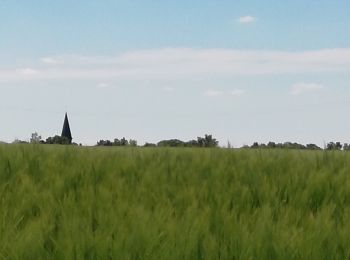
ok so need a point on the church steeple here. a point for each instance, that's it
(66, 129)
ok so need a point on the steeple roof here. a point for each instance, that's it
(66, 129)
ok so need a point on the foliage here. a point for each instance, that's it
(312, 147)
(18, 141)
(57, 140)
(286, 145)
(69, 202)
(334, 146)
(132, 143)
(35, 138)
(346, 147)
(149, 145)
(206, 141)
(117, 142)
(171, 143)
(192, 143)
(104, 143)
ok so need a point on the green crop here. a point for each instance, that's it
(64, 202)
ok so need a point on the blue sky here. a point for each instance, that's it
(243, 71)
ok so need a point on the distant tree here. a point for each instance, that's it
(35, 138)
(124, 142)
(271, 145)
(207, 141)
(312, 147)
(149, 145)
(58, 140)
(201, 141)
(255, 145)
(286, 145)
(132, 143)
(338, 146)
(18, 141)
(346, 147)
(330, 146)
(334, 146)
(108, 143)
(104, 143)
(171, 143)
(191, 143)
(290, 145)
(116, 142)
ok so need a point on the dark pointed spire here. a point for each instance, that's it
(66, 129)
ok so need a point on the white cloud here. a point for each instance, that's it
(237, 92)
(27, 72)
(213, 93)
(168, 89)
(216, 93)
(246, 19)
(51, 60)
(300, 88)
(102, 85)
(188, 64)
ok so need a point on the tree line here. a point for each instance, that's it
(37, 139)
(286, 145)
(206, 141)
(289, 145)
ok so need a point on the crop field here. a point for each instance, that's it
(64, 202)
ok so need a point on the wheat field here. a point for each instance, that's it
(65, 202)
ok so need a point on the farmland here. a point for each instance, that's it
(65, 202)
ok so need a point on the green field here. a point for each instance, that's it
(63, 202)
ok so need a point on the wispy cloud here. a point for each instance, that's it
(246, 19)
(213, 93)
(237, 92)
(171, 64)
(216, 93)
(52, 60)
(300, 88)
(103, 85)
(168, 89)
(27, 72)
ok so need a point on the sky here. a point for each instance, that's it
(244, 71)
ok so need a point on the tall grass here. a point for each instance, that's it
(61, 202)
